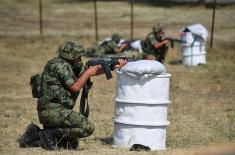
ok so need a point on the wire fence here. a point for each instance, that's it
(97, 19)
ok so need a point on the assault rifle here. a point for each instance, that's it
(172, 40)
(107, 64)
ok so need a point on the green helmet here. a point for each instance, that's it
(71, 50)
(116, 38)
(157, 28)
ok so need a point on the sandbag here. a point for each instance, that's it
(143, 69)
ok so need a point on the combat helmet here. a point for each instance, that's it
(116, 37)
(158, 28)
(71, 50)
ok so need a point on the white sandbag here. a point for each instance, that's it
(105, 40)
(121, 42)
(136, 45)
(197, 30)
(143, 69)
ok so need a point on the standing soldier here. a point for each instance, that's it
(154, 46)
(62, 126)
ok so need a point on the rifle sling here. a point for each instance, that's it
(84, 106)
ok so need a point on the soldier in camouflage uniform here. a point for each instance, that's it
(58, 94)
(108, 46)
(154, 46)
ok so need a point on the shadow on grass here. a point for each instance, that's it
(107, 140)
(175, 62)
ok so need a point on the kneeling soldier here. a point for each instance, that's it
(62, 126)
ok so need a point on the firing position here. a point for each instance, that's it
(59, 89)
(155, 46)
(111, 45)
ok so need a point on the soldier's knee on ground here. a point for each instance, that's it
(84, 131)
(90, 128)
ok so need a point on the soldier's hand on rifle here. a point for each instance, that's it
(160, 44)
(120, 63)
(166, 41)
(95, 70)
(81, 81)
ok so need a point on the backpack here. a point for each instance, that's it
(35, 83)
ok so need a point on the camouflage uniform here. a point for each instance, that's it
(148, 46)
(56, 102)
(107, 46)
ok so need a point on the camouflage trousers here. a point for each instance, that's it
(70, 123)
(96, 51)
(159, 54)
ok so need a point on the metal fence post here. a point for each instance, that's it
(212, 25)
(40, 17)
(96, 21)
(132, 20)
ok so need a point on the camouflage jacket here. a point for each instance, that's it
(109, 47)
(56, 78)
(148, 43)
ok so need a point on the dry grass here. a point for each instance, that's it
(202, 113)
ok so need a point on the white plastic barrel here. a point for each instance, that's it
(194, 51)
(194, 48)
(141, 111)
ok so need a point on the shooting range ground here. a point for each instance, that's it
(202, 112)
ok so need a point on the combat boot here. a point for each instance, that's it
(48, 138)
(30, 136)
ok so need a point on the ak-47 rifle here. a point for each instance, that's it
(172, 40)
(107, 64)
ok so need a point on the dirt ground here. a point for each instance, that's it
(202, 112)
